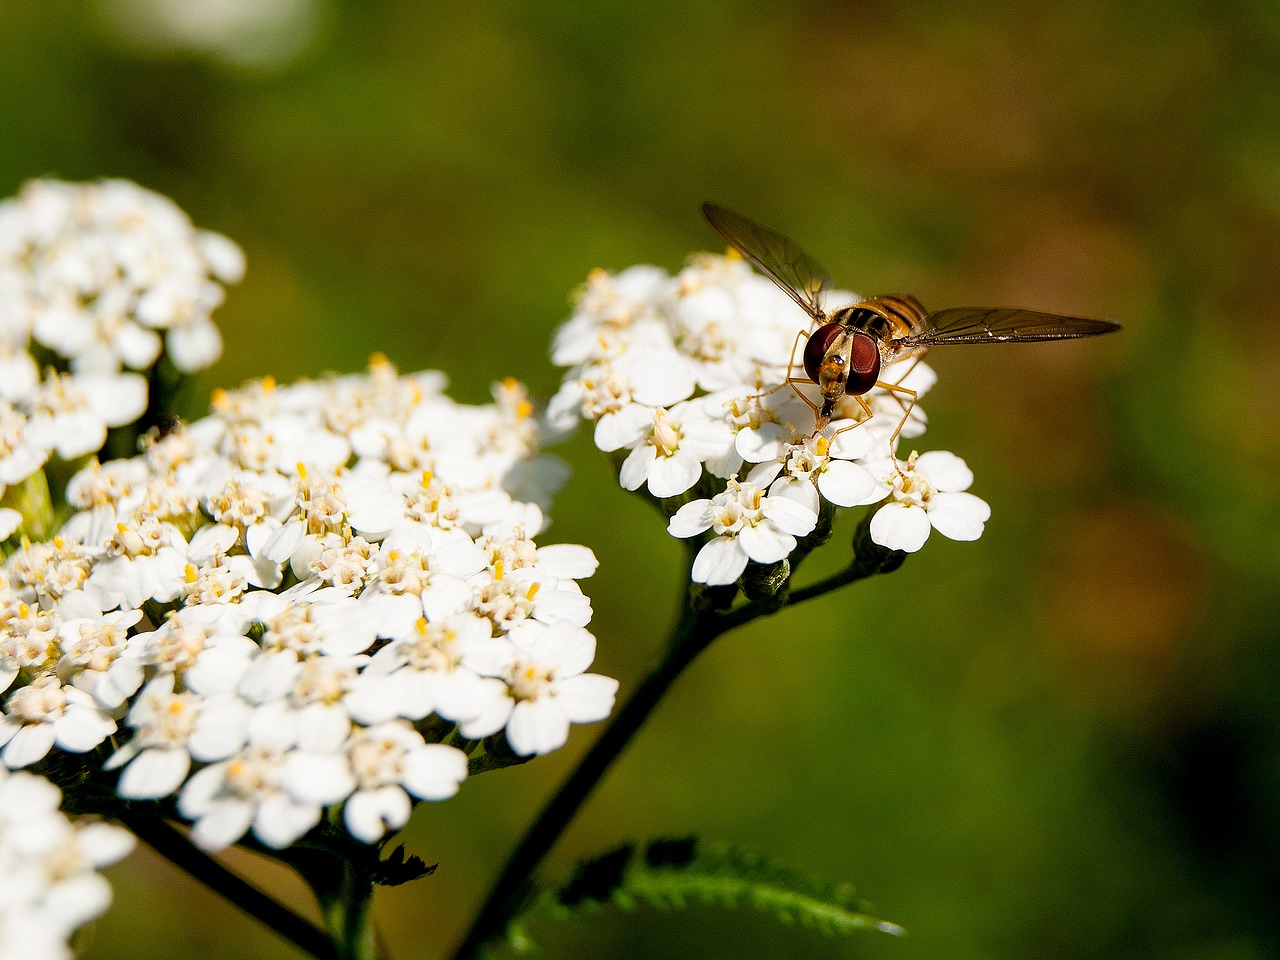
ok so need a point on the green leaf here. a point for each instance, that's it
(673, 874)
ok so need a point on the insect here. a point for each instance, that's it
(845, 354)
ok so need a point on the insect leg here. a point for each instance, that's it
(866, 408)
(791, 362)
(895, 389)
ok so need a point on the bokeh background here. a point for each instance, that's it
(1060, 741)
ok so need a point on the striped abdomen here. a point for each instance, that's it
(884, 319)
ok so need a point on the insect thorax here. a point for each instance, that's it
(884, 319)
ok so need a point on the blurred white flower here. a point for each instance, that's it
(49, 884)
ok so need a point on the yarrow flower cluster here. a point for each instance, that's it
(107, 275)
(289, 604)
(325, 597)
(97, 281)
(684, 378)
(49, 884)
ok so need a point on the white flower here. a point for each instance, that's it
(46, 713)
(71, 412)
(227, 798)
(811, 465)
(390, 761)
(97, 268)
(48, 881)
(170, 728)
(448, 667)
(549, 688)
(749, 526)
(668, 460)
(926, 493)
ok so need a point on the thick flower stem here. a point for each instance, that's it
(181, 852)
(693, 633)
(701, 621)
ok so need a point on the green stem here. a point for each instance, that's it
(178, 850)
(344, 888)
(700, 623)
(692, 634)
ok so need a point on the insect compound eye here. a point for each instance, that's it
(864, 364)
(816, 349)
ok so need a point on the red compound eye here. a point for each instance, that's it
(816, 349)
(864, 364)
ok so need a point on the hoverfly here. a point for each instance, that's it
(846, 352)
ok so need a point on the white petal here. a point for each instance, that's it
(720, 561)
(103, 843)
(224, 824)
(635, 469)
(959, 516)
(537, 726)
(82, 728)
(280, 820)
(564, 649)
(29, 744)
(465, 696)
(765, 543)
(900, 527)
(766, 442)
(846, 484)
(568, 560)
(850, 444)
(789, 516)
(673, 475)
(800, 491)
(369, 814)
(434, 771)
(691, 519)
(201, 790)
(496, 712)
(10, 520)
(221, 729)
(78, 900)
(944, 471)
(563, 606)
(623, 427)
(317, 778)
(154, 773)
(587, 698)
(195, 346)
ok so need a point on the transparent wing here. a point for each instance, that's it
(779, 258)
(999, 325)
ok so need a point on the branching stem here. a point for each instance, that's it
(697, 627)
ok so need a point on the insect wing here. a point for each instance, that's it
(1000, 325)
(779, 258)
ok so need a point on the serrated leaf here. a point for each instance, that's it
(672, 874)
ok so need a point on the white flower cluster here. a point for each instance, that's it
(684, 379)
(289, 604)
(49, 885)
(97, 272)
(90, 276)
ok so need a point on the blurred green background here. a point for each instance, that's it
(1060, 741)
